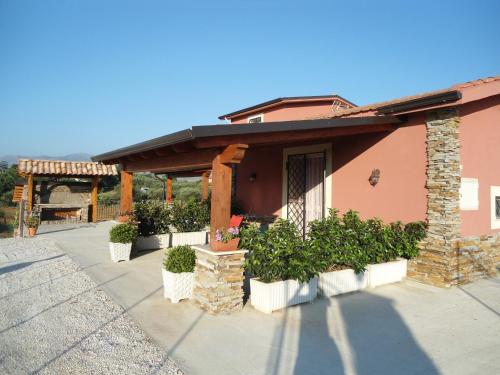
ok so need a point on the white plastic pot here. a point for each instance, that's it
(386, 273)
(340, 282)
(120, 251)
(188, 238)
(267, 297)
(177, 286)
(154, 242)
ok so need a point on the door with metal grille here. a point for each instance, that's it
(306, 195)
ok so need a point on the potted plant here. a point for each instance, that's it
(124, 216)
(189, 221)
(153, 222)
(178, 273)
(341, 259)
(121, 237)
(284, 268)
(32, 222)
(226, 239)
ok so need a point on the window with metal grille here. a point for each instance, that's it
(497, 207)
(255, 119)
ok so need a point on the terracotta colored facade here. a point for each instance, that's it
(400, 156)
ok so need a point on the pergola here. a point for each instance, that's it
(32, 169)
(215, 148)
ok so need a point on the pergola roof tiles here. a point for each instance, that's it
(64, 168)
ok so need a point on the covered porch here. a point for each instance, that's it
(220, 151)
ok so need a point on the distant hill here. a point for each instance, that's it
(12, 159)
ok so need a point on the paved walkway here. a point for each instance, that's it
(406, 328)
(54, 319)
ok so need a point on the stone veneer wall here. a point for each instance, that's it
(218, 280)
(445, 258)
(435, 264)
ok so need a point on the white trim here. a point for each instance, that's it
(494, 192)
(260, 115)
(311, 149)
(469, 194)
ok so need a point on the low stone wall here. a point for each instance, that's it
(218, 286)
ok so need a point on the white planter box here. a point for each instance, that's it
(120, 251)
(267, 297)
(188, 238)
(386, 273)
(154, 242)
(177, 286)
(339, 282)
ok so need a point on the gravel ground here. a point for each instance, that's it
(55, 320)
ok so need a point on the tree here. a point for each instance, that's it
(7, 182)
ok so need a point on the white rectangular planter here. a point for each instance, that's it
(267, 297)
(339, 282)
(177, 286)
(154, 242)
(188, 238)
(120, 251)
(386, 273)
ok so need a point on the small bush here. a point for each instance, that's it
(152, 218)
(32, 221)
(123, 233)
(190, 216)
(278, 254)
(180, 259)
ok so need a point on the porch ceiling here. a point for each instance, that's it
(194, 149)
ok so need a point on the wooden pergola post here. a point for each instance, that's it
(93, 197)
(169, 194)
(220, 213)
(204, 186)
(126, 192)
(30, 193)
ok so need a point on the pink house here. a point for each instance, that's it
(431, 156)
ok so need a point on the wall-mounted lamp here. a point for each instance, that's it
(374, 177)
(253, 177)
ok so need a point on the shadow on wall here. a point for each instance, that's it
(353, 334)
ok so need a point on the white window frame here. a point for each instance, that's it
(494, 192)
(260, 115)
(324, 147)
(472, 184)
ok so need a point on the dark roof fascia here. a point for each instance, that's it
(278, 100)
(207, 131)
(163, 141)
(441, 98)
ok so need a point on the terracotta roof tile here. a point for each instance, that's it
(375, 106)
(64, 168)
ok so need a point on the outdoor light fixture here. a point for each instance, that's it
(374, 177)
(253, 177)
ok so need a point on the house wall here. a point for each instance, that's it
(400, 194)
(480, 158)
(401, 158)
(288, 112)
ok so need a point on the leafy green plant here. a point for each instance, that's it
(416, 232)
(152, 218)
(180, 259)
(32, 221)
(123, 233)
(278, 254)
(190, 216)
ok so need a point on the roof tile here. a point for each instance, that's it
(64, 168)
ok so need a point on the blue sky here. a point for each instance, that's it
(91, 76)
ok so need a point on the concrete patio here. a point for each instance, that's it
(407, 328)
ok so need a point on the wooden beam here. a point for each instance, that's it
(30, 192)
(126, 191)
(93, 197)
(196, 160)
(290, 136)
(233, 154)
(221, 196)
(169, 194)
(204, 186)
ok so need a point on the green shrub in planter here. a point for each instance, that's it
(180, 259)
(152, 217)
(278, 254)
(415, 232)
(123, 233)
(191, 216)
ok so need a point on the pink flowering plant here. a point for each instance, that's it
(227, 235)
